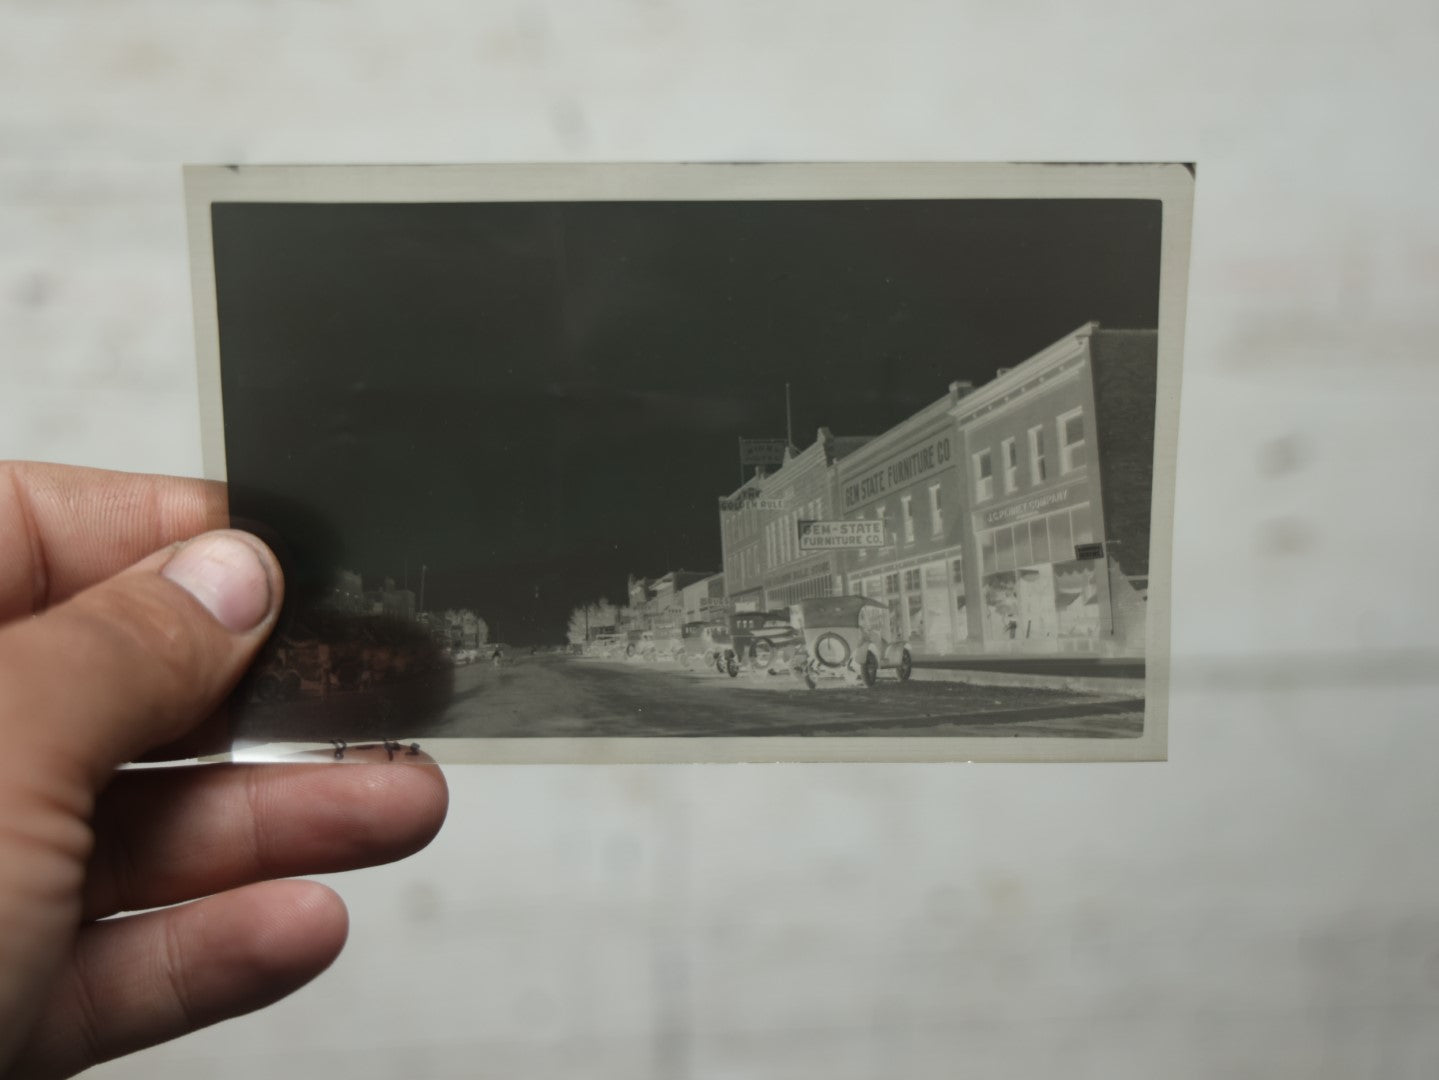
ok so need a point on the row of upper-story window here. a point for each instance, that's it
(742, 565)
(1071, 453)
(782, 534)
(909, 529)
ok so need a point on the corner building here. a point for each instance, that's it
(1058, 452)
(912, 478)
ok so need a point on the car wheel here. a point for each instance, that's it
(832, 650)
(906, 666)
(731, 665)
(869, 670)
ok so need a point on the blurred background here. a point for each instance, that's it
(1265, 904)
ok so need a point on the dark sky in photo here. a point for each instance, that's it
(536, 399)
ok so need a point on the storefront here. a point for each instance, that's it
(911, 478)
(1036, 593)
(927, 600)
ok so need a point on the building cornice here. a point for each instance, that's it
(1034, 369)
(884, 444)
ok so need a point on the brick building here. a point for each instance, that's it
(912, 479)
(764, 567)
(1058, 454)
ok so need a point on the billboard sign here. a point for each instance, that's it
(762, 451)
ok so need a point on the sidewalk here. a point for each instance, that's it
(1088, 674)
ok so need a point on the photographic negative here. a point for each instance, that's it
(592, 463)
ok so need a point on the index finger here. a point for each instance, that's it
(64, 528)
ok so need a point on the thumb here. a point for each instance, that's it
(138, 659)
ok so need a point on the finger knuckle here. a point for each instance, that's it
(139, 628)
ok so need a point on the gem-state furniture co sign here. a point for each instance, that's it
(827, 535)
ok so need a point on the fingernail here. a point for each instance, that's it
(226, 575)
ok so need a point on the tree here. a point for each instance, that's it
(587, 619)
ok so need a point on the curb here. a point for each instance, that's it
(1085, 684)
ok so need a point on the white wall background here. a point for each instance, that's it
(1266, 904)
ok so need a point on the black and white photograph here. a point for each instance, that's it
(701, 462)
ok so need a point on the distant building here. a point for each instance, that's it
(704, 599)
(659, 603)
(346, 594)
(389, 600)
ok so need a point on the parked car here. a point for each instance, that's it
(606, 646)
(848, 637)
(764, 640)
(720, 648)
(705, 644)
(668, 643)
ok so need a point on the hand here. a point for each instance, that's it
(135, 638)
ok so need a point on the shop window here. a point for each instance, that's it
(1022, 551)
(986, 554)
(906, 514)
(983, 476)
(1010, 456)
(957, 572)
(1004, 549)
(1061, 540)
(916, 617)
(874, 587)
(1072, 454)
(936, 511)
(1037, 470)
(912, 580)
(1083, 526)
(1039, 540)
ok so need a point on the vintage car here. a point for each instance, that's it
(668, 643)
(765, 640)
(606, 646)
(640, 645)
(695, 649)
(720, 648)
(850, 638)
